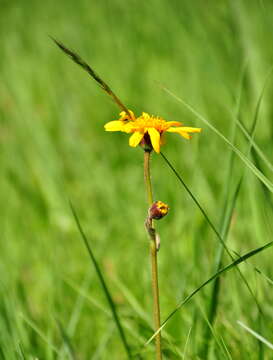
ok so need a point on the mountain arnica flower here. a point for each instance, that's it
(148, 130)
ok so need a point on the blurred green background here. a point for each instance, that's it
(215, 55)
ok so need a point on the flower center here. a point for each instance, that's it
(144, 122)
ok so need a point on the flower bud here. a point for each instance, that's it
(158, 210)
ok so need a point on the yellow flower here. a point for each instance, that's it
(148, 129)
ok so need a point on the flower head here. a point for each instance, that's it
(158, 210)
(148, 130)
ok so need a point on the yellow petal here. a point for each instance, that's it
(124, 116)
(184, 129)
(190, 129)
(180, 132)
(115, 125)
(173, 123)
(135, 138)
(185, 135)
(145, 116)
(128, 127)
(155, 139)
(132, 115)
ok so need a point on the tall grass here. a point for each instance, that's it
(53, 146)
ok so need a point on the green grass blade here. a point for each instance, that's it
(218, 341)
(103, 284)
(78, 308)
(256, 335)
(248, 163)
(66, 341)
(224, 225)
(41, 334)
(195, 201)
(186, 344)
(264, 276)
(214, 296)
(168, 340)
(21, 351)
(79, 61)
(138, 310)
(211, 225)
(227, 268)
(87, 297)
(250, 134)
(255, 146)
(103, 344)
(90, 300)
(227, 215)
(226, 348)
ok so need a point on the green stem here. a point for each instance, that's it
(153, 255)
(147, 177)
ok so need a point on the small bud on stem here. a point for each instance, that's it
(157, 211)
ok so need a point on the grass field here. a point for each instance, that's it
(215, 56)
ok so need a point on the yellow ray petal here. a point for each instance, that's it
(124, 116)
(115, 125)
(135, 138)
(173, 123)
(191, 129)
(145, 115)
(128, 127)
(155, 139)
(184, 129)
(185, 135)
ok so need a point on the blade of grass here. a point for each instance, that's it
(75, 315)
(224, 225)
(217, 341)
(211, 225)
(103, 284)
(227, 268)
(215, 292)
(248, 163)
(250, 134)
(133, 302)
(269, 203)
(66, 341)
(78, 60)
(21, 351)
(266, 195)
(256, 335)
(40, 333)
(137, 308)
(227, 215)
(186, 343)
(255, 146)
(226, 348)
(215, 231)
(82, 292)
(264, 276)
(79, 304)
(103, 344)
(90, 300)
